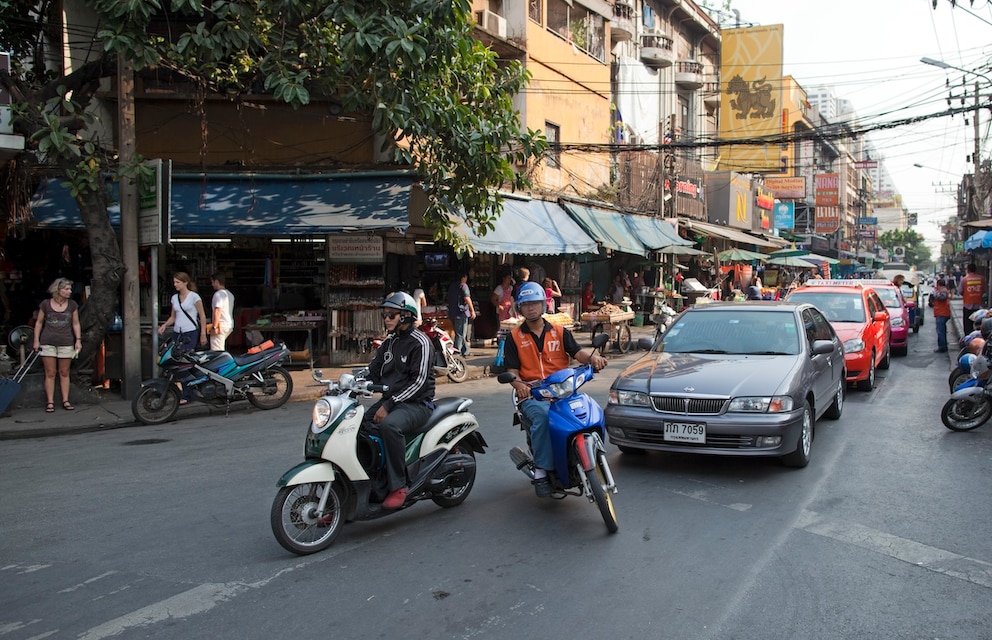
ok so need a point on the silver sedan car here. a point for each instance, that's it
(735, 379)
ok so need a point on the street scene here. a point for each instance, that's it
(480, 319)
(162, 531)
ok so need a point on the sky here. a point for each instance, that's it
(869, 51)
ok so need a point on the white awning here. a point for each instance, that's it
(727, 233)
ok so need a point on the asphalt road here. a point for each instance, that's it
(163, 532)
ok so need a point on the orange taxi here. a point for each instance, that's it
(860, 319)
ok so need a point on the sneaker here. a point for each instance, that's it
(542, 487)
(396, 499)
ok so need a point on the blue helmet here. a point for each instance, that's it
(530, 292)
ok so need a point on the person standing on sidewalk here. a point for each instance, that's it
(972, 293)
(941, 298)
(222, 318)
(460, 311)
(187, 318)
(57, 337)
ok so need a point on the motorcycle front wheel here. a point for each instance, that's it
(295, 522)
(151, 406)
(965, 414)
(276, 388)
(458, 369)
(597, 481)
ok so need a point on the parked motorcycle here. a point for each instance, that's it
(343, 477)
(448, 361)
(970, 406)
(577, 431)
(662, 317)
(213, 377)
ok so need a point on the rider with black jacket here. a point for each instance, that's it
(405, 364)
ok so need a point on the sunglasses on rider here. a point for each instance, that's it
(389, 315)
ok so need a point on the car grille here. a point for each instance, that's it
(688, 406)
(648, 437)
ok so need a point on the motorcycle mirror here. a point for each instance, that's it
(506, 377)
(317, 374)
(599, 340)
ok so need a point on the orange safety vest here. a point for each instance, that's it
(972, 289)
(535, 365)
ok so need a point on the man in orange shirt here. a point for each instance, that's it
(941, 298)
(972, 293)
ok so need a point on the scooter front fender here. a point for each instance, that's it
(308, 471)
(967, 392)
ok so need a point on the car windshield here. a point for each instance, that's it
(889, 297)
(837, 307)
(739, 331)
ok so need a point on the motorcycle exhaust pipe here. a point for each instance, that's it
(523, 461)
(452, 472)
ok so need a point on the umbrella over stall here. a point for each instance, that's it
(793, 261)
(740, 255)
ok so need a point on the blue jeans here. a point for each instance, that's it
(460, 323)
(540, 437)
(941, 323)
(187, 341)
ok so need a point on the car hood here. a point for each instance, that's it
(848, 330)
(721, 375)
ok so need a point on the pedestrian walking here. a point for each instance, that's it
(57, 336)
(460, 310)
(187, 318)
(222, 318)
(941, 299)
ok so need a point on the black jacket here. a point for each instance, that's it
(405, 363)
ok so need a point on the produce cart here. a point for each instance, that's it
(613, 321)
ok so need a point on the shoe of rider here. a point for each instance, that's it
(542, 487)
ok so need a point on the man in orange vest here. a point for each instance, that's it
(537, 349)
(972, 293)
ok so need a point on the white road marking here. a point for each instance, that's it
(931, 558)
(86, 582)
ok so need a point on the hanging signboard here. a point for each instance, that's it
(827, 219)
(354, 249)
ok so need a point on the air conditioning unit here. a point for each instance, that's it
(491, 22)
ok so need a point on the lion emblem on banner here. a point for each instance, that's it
(754, 98)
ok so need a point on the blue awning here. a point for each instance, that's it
(260, 205)
(655, 233)
(530, 228)
(608, 227)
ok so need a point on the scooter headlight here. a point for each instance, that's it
(321, 415)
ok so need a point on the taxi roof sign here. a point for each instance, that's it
(838, 283)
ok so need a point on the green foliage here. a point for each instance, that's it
(437, 96)
(917, 252)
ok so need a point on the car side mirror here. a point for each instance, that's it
(881, 316)
(821, 347)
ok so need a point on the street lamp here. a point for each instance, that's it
(940, 64)
(923, 166)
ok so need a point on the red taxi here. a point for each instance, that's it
(898, 309)
(860, 319)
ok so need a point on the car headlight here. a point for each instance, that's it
(629, 398)
(896, 321)
(761, 404)
(854, 346)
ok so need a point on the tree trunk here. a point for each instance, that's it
(97, 313)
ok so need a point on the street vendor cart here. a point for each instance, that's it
(613, 321)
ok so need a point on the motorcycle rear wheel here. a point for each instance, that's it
(152, 407)
(957, 377)
(456, 495)
(277, 388)
(458, 372)
(597, 481)
(965, 414)
(295, 523)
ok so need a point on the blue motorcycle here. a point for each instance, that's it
(970, 406)
(577, 429)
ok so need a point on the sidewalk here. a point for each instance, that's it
(108, 410)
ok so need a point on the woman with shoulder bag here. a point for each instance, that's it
(187, 318)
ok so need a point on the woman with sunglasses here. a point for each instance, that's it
(404, 363)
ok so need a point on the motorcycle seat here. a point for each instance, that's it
(249, 358)
(443, 407)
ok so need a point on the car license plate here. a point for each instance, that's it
(685, 432)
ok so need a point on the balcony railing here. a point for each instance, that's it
(656, 50)
(689, 74)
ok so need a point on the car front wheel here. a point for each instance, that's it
(800, 457)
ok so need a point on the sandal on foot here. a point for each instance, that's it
(183, 401)
(50, 408)
(67, 406)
